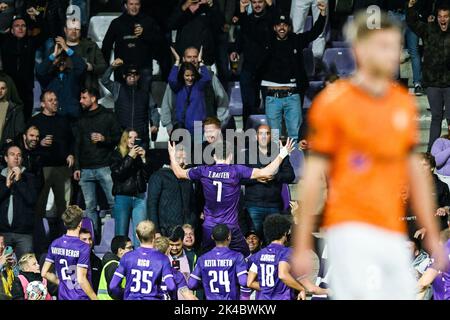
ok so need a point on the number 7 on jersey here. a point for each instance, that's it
(219, 190)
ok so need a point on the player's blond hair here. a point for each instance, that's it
(23, 262)
(361, 27)
(161, 244)
(146, 231)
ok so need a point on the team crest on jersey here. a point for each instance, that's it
(359, 162)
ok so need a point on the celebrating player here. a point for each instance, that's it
(145, 269)
(270, 272)
(221, 189)
(221, 271)
(71, 258)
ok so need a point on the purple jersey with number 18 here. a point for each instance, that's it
(67, 253)
(265, 264)
(221, 188)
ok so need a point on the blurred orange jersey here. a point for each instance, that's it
(368, 140)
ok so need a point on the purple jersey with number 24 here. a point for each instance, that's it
(221, 188)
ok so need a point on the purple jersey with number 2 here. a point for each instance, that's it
(221, 188)
(67, 253)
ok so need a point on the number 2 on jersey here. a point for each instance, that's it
(219, 190)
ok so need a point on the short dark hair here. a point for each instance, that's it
(188, 66)
(443, 7)
(93, 92)
(220, 232)
(30, 127)
(9, 146)
(212, 120)
(177, 234)
(276, 226)
(72, 217)
(119, 242)
(44, 93)
(84, 231)
(428, 157)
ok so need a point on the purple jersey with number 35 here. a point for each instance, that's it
(67, 253)
(221, 188)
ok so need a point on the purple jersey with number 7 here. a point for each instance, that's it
(221, 188)
(67, 253)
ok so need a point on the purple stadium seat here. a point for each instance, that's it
(341, 59)
(311, 92)
(107, 235)
(340, 44)
(86, 223)
(235, 106)
(308, 23)
(46, 226)
(296, 159)
(255, 120)
(308, 61)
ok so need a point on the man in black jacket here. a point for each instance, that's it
(28, 142)
(436, 64)
(18, 52)
(98, 133)
(18, 195)
(136, 39)
(96, 263)
(263, 197)
(198, 24)
(57, 159)
(88, 50)
(11, 118)
(171, 201)
(254, 37)
(133, 106)
(284, 75)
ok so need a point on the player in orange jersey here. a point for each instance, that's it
(362, 134)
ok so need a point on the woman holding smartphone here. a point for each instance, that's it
(130, 171)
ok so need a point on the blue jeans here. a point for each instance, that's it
(126, 208)
(290, 108)
(259, 214)
(412, 44)
(87, 184)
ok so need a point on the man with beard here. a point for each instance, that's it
(436, 64)
(284, 75)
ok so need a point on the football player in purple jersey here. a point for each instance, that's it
(220, 271)
(221, 188)
(71, 258)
